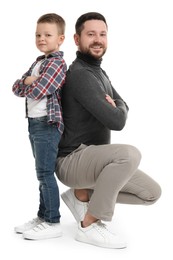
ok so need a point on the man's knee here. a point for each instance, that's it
(128, 154)
(154, 194)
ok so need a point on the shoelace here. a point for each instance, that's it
(102, 228)
(101, 224)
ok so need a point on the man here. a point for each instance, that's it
(100, 174)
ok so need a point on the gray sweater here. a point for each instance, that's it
(88, 117)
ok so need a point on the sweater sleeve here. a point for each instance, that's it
(88, 91)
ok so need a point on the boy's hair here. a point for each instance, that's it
(79, 26)
(53, 18)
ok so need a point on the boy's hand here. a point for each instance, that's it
(29, 80)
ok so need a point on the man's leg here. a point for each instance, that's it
(103, 168)
(140, 190)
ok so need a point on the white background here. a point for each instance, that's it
(139, 62)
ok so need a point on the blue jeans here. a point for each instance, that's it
(44, 140)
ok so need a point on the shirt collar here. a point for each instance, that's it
(54, 54)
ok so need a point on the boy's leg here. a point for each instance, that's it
(45, 140)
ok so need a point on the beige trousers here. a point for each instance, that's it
(110, 172)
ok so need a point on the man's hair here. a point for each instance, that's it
(79, 26)
(53, 18)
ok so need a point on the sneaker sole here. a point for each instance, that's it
(18, 231)
(93, 243)
(70, 206)
(32, 237)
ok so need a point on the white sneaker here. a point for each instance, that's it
(44, 231)
(29, 225)
(77, 207)
(97, 234)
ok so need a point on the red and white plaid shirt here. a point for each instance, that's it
(49, 83)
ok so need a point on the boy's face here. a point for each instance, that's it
(47, 38)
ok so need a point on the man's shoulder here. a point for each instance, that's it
(78, 67)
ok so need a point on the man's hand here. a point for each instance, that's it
(110, 100)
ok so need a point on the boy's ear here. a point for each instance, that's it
(61, 39)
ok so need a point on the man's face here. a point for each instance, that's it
(93, 38)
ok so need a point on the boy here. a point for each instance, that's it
(41, 86)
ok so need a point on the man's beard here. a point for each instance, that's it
(89, 53)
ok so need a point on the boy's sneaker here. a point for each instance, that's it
(44, 230)
(97, 234)
(77, 207)
(29, 225)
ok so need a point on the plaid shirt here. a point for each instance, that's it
(49, 83)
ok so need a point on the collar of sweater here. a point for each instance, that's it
(88, 58)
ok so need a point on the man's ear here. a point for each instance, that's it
(76, 39)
